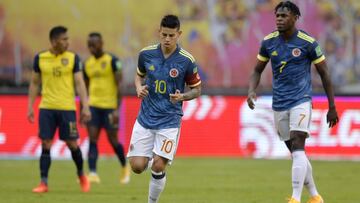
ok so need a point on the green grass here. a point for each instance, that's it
(189, 180)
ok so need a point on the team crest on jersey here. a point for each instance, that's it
(296, 52)
(103, 64)
(64, 61)
(174, 73)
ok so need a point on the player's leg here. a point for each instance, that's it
(93, 129)
(166, 142)
(158, 178)
(93, 133)
(309, 182)
(69, 133)
(47, 128)
(300, 118)
(119, 151)
(111, 127)
(141, 148)
(299, 165)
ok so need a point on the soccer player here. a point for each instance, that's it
(58, 70)
(291, 52)
(163, 71)
(103, 73)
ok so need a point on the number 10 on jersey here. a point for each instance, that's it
(160, 86)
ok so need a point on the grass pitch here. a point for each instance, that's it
(189, 180)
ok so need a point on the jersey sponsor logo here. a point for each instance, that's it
(274, 53)
(174, 73)
(64, 61)
(296, 52)
(103, 64)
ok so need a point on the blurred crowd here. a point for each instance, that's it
(223, 36)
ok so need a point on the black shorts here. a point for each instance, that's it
(50, 120)
(102, 118)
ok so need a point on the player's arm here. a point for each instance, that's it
(192, 80)
(80, 87)
(33, 92)
(254, 82)
(141, 90)
(34, 88)
(262, 60)
(322, 69)
(117, 69)
(318, 59)
(81, 90)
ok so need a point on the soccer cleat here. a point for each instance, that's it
(84, 183)
(93, 177)
(125, 175)
(292, 200)
(41, 188)
(316, 199)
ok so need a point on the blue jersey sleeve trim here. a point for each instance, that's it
(36, 66)
(115, 63)
(77, 64)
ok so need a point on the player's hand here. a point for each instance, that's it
(251, 100)
(114, 118)
(142, 92)
(30, 115)
(176, 97)
(332, 117)
(85, 115)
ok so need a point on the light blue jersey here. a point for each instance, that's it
(164, 77)
(291, 62)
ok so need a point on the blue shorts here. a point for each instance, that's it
(50, 120)
(102, 118)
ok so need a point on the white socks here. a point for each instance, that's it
(309, 180)
(156, 186)
(299, 168)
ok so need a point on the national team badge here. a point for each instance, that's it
(296, 52)
(103, 64)
(64, 61)
(174, 73)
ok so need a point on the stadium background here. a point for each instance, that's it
(223, 35)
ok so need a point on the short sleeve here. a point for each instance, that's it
(36, 66)
(263, 54)
(192, 77)
(141, 71)
(315, 53)
(77, 64)
(116, 64)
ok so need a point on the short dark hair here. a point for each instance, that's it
(55, 32)
(95, 34)
(170, 21)
(293, 8)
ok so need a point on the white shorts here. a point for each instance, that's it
(145, 142)
(295, 119)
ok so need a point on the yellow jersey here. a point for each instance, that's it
(57, 79)
(100, 73)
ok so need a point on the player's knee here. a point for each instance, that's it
(72, 144)
(159, 165)
(46, 144)
(137, 166)
(298, 140)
